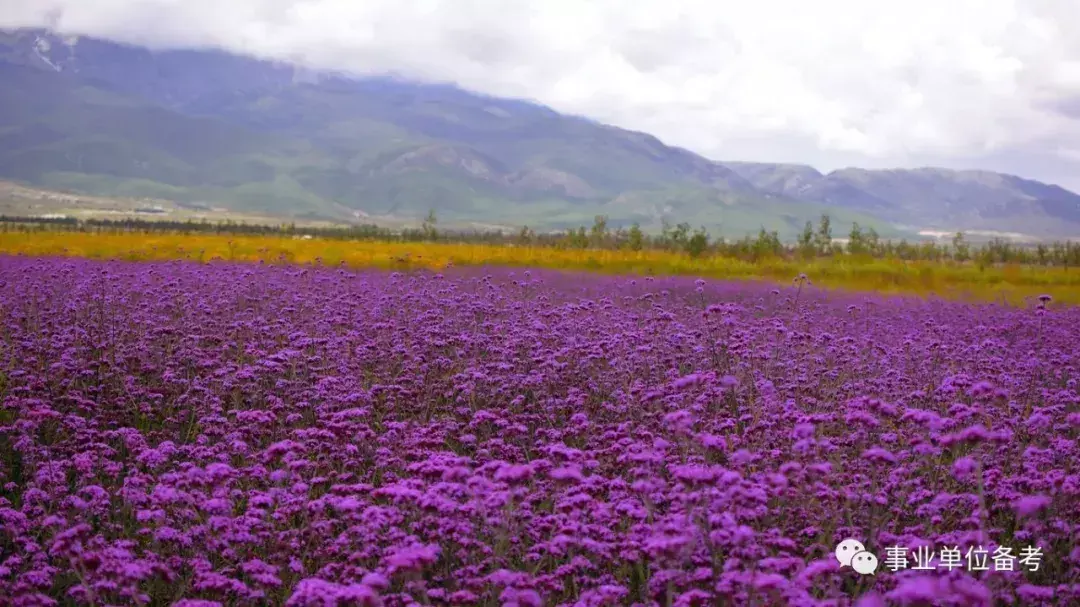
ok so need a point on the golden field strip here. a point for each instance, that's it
(1013, 283)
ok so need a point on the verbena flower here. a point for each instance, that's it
(231, 434)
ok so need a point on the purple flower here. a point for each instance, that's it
(1031, 505)
(877, 454)
(314, 592)
(512, 597)
(514, 474)
(570, 474)
(963, 467)
(322, 436)
(412, 558)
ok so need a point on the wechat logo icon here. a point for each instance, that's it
(852, 553)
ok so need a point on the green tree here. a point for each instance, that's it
(767, 244)
(856, 241)
(984, 258)
(1072, 255)
(1042, 254)
(1057, 253)
(698, 243)
(581, 238)
(636, 238)
(599, 232)
(905, 251)
(873, 242)
(929, 251)
(666, 239)
(806, 240)
(428, 227)
(823, 237)
(681, 234)
(1000, 250)
(961, 249)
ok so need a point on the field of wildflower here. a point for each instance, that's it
(1014, 283)
(199, 434)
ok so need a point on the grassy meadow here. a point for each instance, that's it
(1013, 283)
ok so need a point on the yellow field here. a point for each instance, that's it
(1010, 283)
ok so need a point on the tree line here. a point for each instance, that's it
(814, 241)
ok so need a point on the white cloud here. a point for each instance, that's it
(831, 82)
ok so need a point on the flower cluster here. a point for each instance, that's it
(229, 434)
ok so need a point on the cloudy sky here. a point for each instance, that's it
(989, 84)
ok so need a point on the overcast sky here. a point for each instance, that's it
(989, 84)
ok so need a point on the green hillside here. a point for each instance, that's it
(112, 120)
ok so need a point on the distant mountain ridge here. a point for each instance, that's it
(975, 200)
(104, 118)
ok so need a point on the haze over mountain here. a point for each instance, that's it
(206, 126)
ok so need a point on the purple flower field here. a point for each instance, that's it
(175, 433)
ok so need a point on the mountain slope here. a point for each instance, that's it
(928, 198)
(255, 136)
(208, 127)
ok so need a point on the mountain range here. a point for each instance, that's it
(205, 127)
